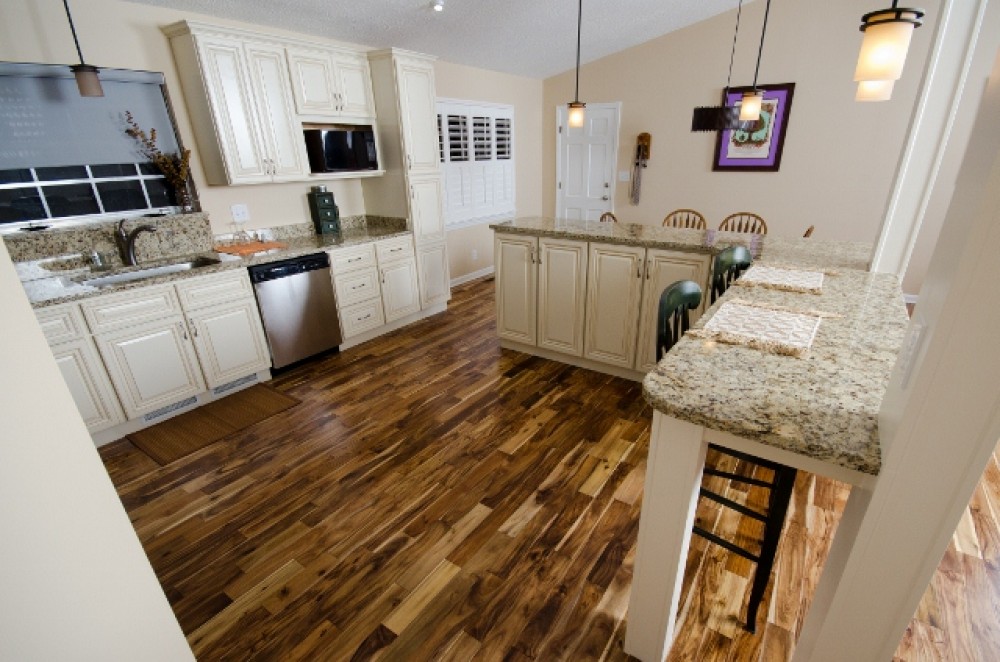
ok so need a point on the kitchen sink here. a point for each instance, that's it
(149, 272)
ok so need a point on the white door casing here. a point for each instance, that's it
(586, 161)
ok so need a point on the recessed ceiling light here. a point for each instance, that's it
(438, 5)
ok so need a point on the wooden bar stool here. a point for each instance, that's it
(743, 221)
(685, 218)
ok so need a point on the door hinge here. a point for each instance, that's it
(560, 185)
(560, 128)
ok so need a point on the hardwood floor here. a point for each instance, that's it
(436, 498)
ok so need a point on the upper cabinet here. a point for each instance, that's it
(331, 83)
(248, 95)
(418, 111)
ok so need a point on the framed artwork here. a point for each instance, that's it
(756, 147)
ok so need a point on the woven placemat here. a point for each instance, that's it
(777, 278)
(764, 328)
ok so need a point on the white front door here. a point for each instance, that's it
(586, 160)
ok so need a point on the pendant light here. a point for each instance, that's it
(721, 118)
(886, 42)
(576, 107)
(874, 90)
(86, 75)
(752, 99)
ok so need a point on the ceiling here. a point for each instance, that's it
(533, 38)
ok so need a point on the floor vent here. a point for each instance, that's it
(160, 413)
(249, 379)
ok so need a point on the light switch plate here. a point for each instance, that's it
(241, 214)
(623, 175)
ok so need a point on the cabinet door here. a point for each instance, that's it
(425, 209)
(435, 280)
(515, 283)
(562, 288)
(313, 84)
(418, 115)
(614, 285)
(88, 382)
(354, 85)
(230, 342)
(400, 296)
(286, 150)
(151, 365)
(662, 269)
(227, 83)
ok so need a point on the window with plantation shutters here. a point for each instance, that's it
(476, 147)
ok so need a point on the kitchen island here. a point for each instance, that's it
(816, 412)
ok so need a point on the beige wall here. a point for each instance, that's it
(456, 81)
(840, 156)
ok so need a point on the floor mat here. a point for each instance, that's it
(182, 435)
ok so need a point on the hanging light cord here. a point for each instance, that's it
(579, 23)
(767, 10)
(73, 30)
(732, 55)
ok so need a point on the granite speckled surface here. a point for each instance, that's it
(55, 278)
(824, 405)
(815, 253)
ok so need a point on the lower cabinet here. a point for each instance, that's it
(614, 288)
(88, 382)
(151, 365)
(591, 300)
(562, 289)
(230, 342)
(400, 295)
(432, 269)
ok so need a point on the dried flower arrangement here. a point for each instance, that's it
(175, 168)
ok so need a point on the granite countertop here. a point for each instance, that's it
(54, 280)
(815, 253)
(824, 405)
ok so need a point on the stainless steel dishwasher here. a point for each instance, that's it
(298, 307)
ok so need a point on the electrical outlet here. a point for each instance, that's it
(475, 255)
(241, 214)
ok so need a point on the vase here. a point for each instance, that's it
(183, 198)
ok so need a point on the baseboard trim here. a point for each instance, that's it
(475, 275)
(578, 361)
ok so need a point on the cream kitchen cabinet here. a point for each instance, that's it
(400, 295)
(80, 365)
(614, 288)
(225, 325)
(662, 269)
(516, 282)
(331, 83)
(403, 84)
(239, 94)
(541, 289)
(433, 274)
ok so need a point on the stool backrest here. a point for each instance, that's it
(728, 266)
(685, 218)
(608, 217)
(672, 319)
(744, 221)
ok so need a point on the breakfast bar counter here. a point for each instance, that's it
(816, 411)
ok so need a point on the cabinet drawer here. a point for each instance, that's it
(61, 323)
(357, 286)
(351, 259)
(361, 317)
(394, 249)
(130, 307)
(216, 288)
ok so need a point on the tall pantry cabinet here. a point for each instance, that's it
(403, 84)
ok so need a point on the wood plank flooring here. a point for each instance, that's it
(436, 498)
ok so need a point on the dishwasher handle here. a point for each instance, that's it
(289, 267)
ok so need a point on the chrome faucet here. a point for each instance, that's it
(126, 241)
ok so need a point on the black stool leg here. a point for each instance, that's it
(781, 495)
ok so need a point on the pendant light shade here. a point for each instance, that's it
(886, 42)
(86, 75)
(750, 106)
(577, 109)
(874, 90)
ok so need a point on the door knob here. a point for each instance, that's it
(604, 197)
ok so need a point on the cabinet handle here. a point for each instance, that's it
(409, 161)
(183, 330)
(194, 329)
(413, 193)
(353, 259)
(539, 257)
(362, 319)
(396, 250)
(649, 266)
(638, 270)
(383, 277)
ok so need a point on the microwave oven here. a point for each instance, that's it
(341, 149)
